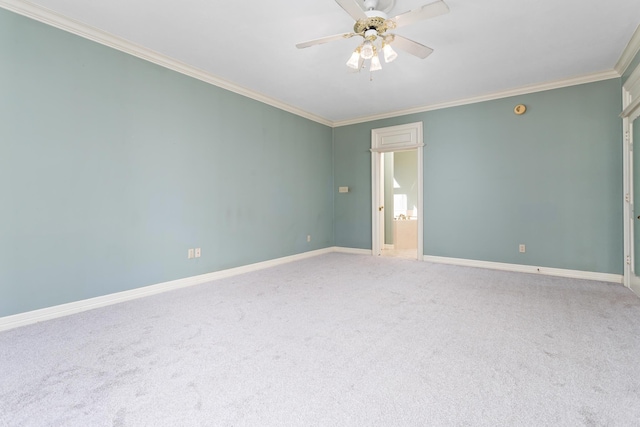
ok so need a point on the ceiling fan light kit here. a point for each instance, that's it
(354, 61)
(372, 24)
(389, 53)
(367, 50)
(375, 64)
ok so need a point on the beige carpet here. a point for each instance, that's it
(337, 340)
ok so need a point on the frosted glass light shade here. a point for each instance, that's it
(389, 53)
(354, 61)
(366, 50)
(375, 64)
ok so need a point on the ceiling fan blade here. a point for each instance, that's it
(427, 11)
(409, 46)
(325, 40)
(352, 8)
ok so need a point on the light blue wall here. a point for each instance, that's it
(352, 168)
(112, 167)
(551, 179)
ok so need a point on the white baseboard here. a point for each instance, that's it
(576, 274)
(634, 285)
(387, 246)
(353, 251)
(29, 317)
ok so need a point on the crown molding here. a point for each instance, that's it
(629, 52)
(64, 23)
(589, 78)
(57, 20)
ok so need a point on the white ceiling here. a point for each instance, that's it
(481, 46)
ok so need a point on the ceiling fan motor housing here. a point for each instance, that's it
(376, 21)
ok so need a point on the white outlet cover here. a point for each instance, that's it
(190, 254)
(198, 252)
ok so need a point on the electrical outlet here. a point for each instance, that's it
(198, 252)
(190, 253)
(522, 248)
(308, 237)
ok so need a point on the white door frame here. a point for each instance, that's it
(392, 139)
(631, 112)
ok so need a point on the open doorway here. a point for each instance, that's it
(400, 176)
(396, 174)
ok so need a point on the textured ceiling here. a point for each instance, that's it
(481, 46)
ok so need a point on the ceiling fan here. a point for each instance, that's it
(373, 24)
